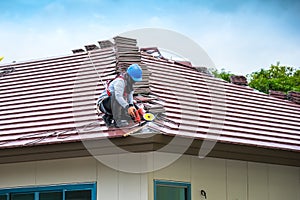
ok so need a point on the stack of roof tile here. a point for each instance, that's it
(105, 44)
(126, 50)
(238, 80)
(277, 94)
(126, 45)
(77, 51)
(91, 47)
(127, 53)
(6, 70)
(294, 97)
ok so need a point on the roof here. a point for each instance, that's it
(48, 101)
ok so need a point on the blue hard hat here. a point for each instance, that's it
(135, 72)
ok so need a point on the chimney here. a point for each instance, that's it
(294, 97)
(277, 94)
(239, 80)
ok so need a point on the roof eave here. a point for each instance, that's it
(153, 143)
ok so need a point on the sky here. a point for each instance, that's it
(239, 36)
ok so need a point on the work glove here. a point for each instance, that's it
(131, 111)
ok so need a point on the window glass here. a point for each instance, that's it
(51, 196)
(172, 193)
(171, 190)
(78, 195)
(24, 196)
(84, 191)
(3, 197)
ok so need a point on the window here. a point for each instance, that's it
(169, 190)
(85, 191)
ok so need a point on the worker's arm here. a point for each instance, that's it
(131, 109)
(119, 86)
(130, 97)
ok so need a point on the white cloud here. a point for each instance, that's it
(240, 42)
(27, 43)
(243, 43)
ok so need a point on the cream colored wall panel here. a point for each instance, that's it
(115, 185)
(221, 179)
(144, 187)
(178, 171)
(209, 175)
(17, 174)
(150, 185)
(283, 182)
(131, 186)
(66, 171)
(107, 183)
(258, 181)
(236, 180)
(298, 183)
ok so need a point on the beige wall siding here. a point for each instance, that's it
(283, 182)
(221, 179)
(64, 171)
(232, 180)
(236, 179)
(213, 171)
(19, 174)
(113, 185)
(258, 180)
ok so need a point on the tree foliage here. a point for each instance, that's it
(278, 78)
(225, 75)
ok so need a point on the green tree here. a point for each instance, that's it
(278, 78)
(225, 75)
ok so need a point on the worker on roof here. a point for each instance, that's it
(116, 101)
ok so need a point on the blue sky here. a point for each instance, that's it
(240, 36)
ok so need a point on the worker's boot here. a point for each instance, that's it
(121, 123)
(108, 120)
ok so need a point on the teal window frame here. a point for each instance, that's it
(52, 188)
(172, 184)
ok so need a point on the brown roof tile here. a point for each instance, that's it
(39, 100)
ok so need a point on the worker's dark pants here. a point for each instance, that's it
(113, 109)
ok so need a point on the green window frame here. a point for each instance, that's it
(171, 190)
(51, 192)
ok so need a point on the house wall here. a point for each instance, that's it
(221, 179)
(111, 184)
(232, 180)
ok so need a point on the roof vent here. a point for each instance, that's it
(294, 97)
(77, 51)
(277, 94)
(91, 47)
(238, 80)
